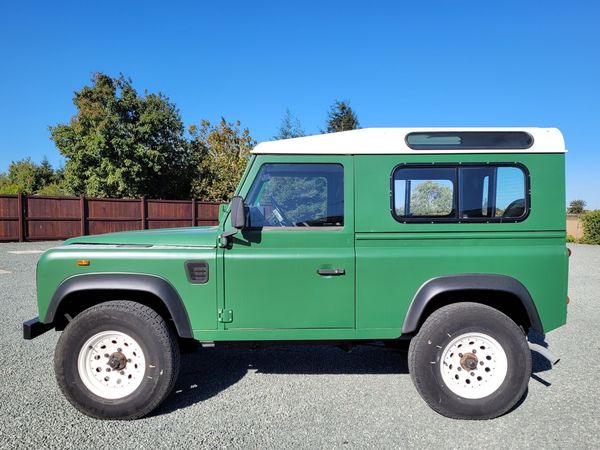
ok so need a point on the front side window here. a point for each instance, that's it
(490, 193)
(297, 195)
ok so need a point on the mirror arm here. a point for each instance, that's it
(225, 238)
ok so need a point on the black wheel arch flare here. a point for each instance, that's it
(134, 282)
(468, 282)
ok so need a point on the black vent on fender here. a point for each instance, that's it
(197, 271)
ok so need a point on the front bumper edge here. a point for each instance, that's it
(33, 328)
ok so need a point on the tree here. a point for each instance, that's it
(290, 127)
(429, 198)
(30, 178)
(302, 198)
(22, 176)
(341, 117)
(122, 144)
(220, 153)
(576, 207)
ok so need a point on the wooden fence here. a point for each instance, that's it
(36, 218)
(574, 226)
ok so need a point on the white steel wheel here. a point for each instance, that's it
(474, 365)
(470, 361)
(111, 364)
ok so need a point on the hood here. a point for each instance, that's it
(188, 237)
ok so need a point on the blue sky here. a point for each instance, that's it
(428, 63)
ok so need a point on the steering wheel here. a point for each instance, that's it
(515, 209)
(278, 213)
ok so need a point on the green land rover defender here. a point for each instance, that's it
(449, 240)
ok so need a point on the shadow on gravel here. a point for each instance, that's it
(539, 364)
(206, 372)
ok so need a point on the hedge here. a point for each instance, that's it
(591, 227)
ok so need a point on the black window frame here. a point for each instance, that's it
(456, 197)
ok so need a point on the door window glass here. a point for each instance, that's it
(297, 195)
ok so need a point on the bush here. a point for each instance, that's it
(591, 227)
(571, 238)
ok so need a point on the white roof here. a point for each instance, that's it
(393, 140)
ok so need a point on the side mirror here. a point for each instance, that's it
(238, 213)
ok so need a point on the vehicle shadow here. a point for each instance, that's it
(206, 372)
(539, 364)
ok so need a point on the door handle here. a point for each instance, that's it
(331, 272)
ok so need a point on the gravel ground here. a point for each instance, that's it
(307, 397)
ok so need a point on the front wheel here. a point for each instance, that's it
(470, 361)
(117, 360)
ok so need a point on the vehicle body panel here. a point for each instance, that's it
(271, 279)
(394, 259)
(200, 300)
(268, 278)
(188, 236)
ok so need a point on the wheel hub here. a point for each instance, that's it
(469, 361)
(473, 365)
(117, 361)
(111, 364)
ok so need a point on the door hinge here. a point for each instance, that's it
(225, 315)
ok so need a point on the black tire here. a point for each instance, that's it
(156, 340)
(440, 330)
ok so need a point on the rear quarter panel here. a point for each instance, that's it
(394, 259)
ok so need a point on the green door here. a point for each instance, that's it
(293, 268)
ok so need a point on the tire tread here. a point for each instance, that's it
(436, 320)
(164, 334)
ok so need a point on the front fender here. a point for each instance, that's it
(151, 284)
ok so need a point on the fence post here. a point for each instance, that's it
(143, 213)
(21, 206)
(193, 212)
(82, 214)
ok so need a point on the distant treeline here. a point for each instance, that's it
(122, 144)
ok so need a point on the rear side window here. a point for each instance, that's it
(424, 192)
(466, 193)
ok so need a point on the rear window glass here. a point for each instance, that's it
(480, 193)
(424, 192)
(469, 140)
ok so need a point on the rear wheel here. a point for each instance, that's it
(470, 361)
(117, 360)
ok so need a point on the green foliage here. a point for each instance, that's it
(53, 189)
(571, 238)
(301, 198)
(591, 227)
(122, 144)
(429, 198)
(23, 176)
(7, 188)
(28, 177)
(290, 127)
(576, 207)
(220, 154)
(341, 117)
